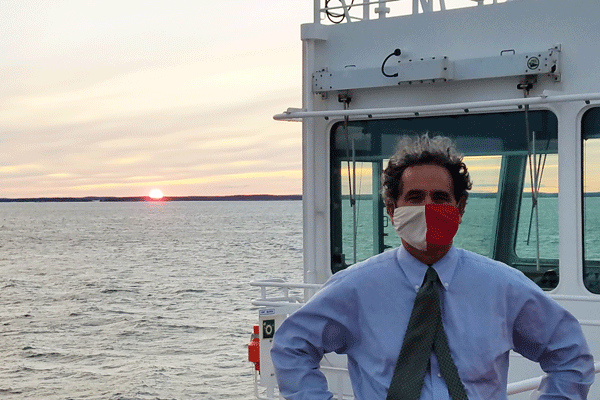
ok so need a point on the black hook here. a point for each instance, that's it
(396, 52)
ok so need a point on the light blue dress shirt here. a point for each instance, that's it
(488, 309)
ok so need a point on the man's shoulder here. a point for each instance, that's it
(494, 278)
(380, 263)
(355, 278)
(475, 263)
(386, 259)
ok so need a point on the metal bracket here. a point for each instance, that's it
(434, 70)
(425, 70)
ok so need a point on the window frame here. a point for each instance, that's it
(373, 143)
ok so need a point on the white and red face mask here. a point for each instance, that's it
(429, 225)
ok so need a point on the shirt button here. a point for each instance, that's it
(439, 375)
(446, 284)
(417, 287)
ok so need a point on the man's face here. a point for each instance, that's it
(425, 184)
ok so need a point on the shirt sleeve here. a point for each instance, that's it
(321, 326)
(546, 333)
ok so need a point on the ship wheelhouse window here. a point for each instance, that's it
(590, 134)
(499, 220)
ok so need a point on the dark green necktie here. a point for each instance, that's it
(424, 334)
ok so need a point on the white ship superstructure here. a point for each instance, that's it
(516, 84)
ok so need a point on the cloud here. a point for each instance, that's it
(104, 97)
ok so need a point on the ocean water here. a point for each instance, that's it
(137, 300)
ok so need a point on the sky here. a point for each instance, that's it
(116, 98)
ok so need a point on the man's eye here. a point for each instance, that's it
(441, 197)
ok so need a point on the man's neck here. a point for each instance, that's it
(429, 256)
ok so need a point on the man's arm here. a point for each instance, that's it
(320, 327)
(546, 333)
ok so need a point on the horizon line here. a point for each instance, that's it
(235, 197)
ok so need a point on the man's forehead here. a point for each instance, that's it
(426, 173)
(426, 177)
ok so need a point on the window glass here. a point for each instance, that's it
(357, 229)
(547, 212)
(537, 229)
(591, 199)
(499, 210)
(476, 230)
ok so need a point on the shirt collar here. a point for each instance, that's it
(415, 269)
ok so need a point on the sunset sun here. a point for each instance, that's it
(156, 194)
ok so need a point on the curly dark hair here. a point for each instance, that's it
(420, 150)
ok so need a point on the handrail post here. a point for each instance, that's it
(286, 294)
(317, 11)
(366, 11)
(382, 9)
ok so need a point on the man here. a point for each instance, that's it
(477, 309)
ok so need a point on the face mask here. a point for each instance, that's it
(431, 224)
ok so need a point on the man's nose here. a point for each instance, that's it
(428, 200)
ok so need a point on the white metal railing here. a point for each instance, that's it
(533, 383)
(525, 385)
(341, 11)
(283, 289)
(569, 297)
(296, 114)
(347, 11)
(257, 394)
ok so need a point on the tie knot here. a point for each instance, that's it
(431, 276)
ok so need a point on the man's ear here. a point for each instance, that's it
(390, 212)
(462, 203)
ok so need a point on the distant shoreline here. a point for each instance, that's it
(252, 197)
